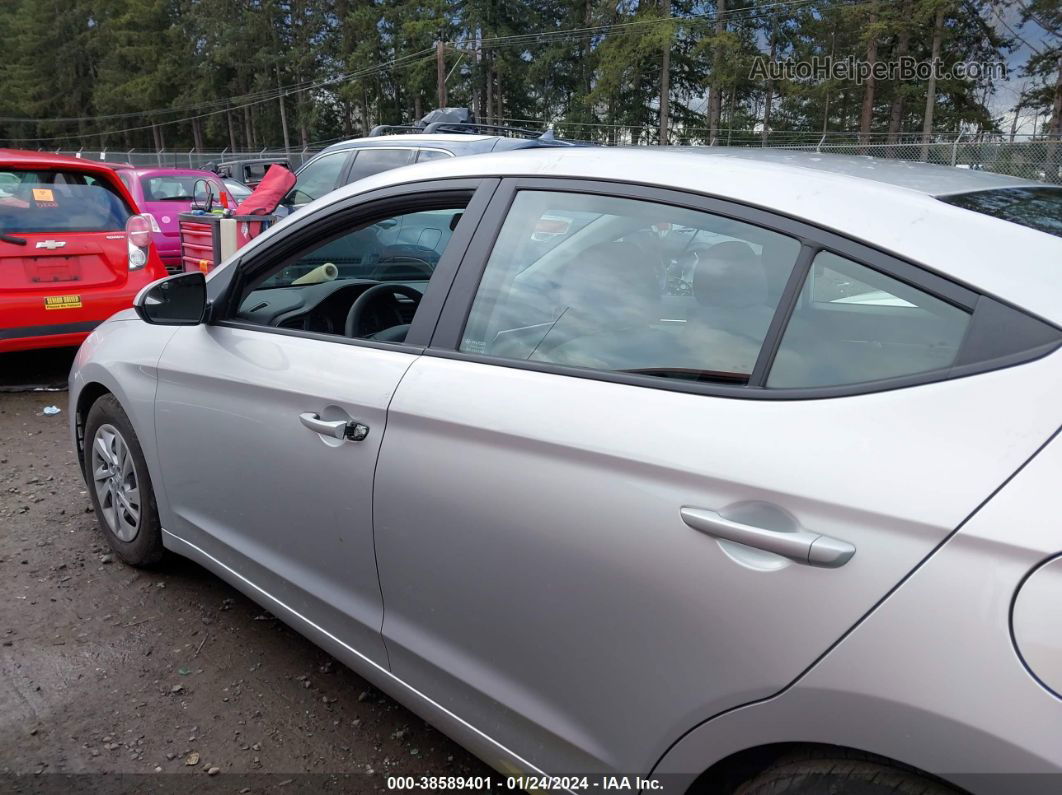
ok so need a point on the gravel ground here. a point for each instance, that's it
(114, 679)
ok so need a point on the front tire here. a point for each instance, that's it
(120, 486)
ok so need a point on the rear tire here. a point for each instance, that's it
(119, 485)
(838, 775)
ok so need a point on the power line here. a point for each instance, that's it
(240, 101)
(739, 14)
(1028, 13)
(402, 62)
(1003, 22)
(266, 95)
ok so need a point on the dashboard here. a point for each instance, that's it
(323, 308)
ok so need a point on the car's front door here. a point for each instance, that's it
(594, 526)
(269, 420)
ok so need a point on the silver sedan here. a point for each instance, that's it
(727, 469)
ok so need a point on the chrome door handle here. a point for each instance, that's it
(802, 546)
(337, 429)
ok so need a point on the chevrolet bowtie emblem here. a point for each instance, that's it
(51, 245)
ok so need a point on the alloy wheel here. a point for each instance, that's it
(117, 488)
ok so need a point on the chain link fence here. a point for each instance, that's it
(1035, 160)
(1039, 160)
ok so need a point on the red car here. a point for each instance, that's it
(73, 249)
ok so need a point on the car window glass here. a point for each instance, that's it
(173, 187)
(630, 286)
(1035, 207)
(373, 161)
(237, 190)
(255, 172)
(853, 324)
(317, 289)
(318, 178)
(50, 200)
(431, 154)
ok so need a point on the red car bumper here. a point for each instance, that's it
(27, 322)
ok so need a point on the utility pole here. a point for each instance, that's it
(665, 78)
(283, 113)
(440, 71)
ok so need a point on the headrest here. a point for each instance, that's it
(609, 279)
(729, 275)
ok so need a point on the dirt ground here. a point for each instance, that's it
(119, 680)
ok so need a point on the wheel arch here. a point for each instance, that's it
(726, 774)
(936, 740)
(89, 394)
(121, 359)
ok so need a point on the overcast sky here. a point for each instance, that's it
(1007, 93)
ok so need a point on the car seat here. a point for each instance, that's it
(608, 298)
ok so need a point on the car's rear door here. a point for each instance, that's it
(583, 490)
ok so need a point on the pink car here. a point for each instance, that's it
(162, 194)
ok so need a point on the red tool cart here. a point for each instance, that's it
(208, 238)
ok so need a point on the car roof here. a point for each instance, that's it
(250, 161)
(416, 138)
(888, 205)
(28, 159)
(163, 172)
(24, 157)
(933, 179)
(456, 143)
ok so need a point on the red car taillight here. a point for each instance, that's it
(138, 231)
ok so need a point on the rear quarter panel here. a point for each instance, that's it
(930, 677)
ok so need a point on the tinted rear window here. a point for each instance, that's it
(1039, 208)
(55, 200)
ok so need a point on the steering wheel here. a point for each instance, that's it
(373, 295)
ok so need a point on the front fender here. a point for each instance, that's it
(122, 356)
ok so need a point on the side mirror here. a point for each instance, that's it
(179, 300)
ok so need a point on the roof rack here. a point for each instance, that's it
(391, 129)
(461, 120)
(477, 128)
(468, 128)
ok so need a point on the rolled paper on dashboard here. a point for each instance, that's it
(322, 273)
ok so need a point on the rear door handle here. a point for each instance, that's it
(337, 429)
(803, 546)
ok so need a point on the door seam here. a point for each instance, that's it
(372, 510)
